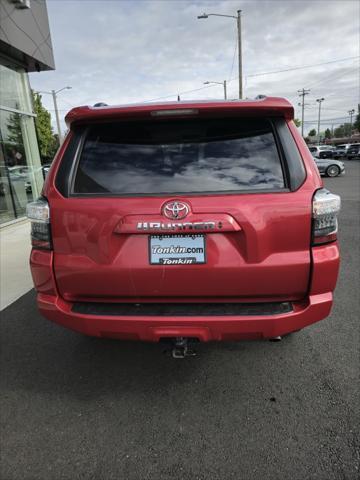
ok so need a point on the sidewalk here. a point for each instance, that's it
(15, 277)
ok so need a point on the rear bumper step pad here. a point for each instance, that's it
(181, 309)
(206, 322)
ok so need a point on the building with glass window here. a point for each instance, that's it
(25, 46)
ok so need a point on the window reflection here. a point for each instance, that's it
(20, 168)
(208, 156)
(18, 175)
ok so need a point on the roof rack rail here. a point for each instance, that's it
(100, 104)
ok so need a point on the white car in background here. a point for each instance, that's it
(322, 151)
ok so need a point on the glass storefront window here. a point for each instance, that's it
(7, 210)
(21, 173)
(20, 167)
(15, 92)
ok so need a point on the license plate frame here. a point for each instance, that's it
(174, 257)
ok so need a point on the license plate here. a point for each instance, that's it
(176, 249)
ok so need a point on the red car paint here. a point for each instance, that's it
(262, 252)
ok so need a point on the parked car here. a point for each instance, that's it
(329, 167)
(12, 175)
(353, 151)
(342, 150)
(185, 221)
(321, 151)
(43, 169)
(19, 172)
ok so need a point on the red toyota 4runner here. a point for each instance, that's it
(196, 220)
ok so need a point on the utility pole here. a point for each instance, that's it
(53, 93)
(302, 94)
(319, 100)
(351, 113)
(238, 23)
(240, 53)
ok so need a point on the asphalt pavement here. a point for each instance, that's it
(74, 407)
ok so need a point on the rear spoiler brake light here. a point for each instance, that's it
(174, 113)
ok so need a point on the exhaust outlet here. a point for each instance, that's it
(275, 339)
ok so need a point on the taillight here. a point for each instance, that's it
(39, 214)
(325, 209)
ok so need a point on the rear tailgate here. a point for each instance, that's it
(235, 179)
(268, 257)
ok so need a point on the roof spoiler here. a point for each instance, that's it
(260, 106)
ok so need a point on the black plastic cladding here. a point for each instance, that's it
(294, 163)
(182, 309)
(62, 180)
(294, 170)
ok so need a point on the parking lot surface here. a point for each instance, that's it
(80, 408)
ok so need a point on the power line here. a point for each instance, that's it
(253, 75)
(179, 93)
(258, 74)
(331, 78)
(233, 60)
(66, 101)
(313, 107)
(299, 67)
(327, 120)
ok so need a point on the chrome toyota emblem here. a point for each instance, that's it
(176, 210)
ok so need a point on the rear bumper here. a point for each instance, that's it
(153, 328)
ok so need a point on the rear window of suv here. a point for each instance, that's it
(192, 156)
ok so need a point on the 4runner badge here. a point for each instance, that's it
(177, 226)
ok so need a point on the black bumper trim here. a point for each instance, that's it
(181, 309)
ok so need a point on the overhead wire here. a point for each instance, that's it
(300, 67)
(332, 78)
(233, 60)
(260, 74)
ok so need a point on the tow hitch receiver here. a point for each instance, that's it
(181, 348)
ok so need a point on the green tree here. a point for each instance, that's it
(297, 122)
(342, 130)
(13, 139)
(328, 133)
(14, 129)
(48, 142)
(312, 132)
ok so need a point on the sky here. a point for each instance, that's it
(123, 51)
